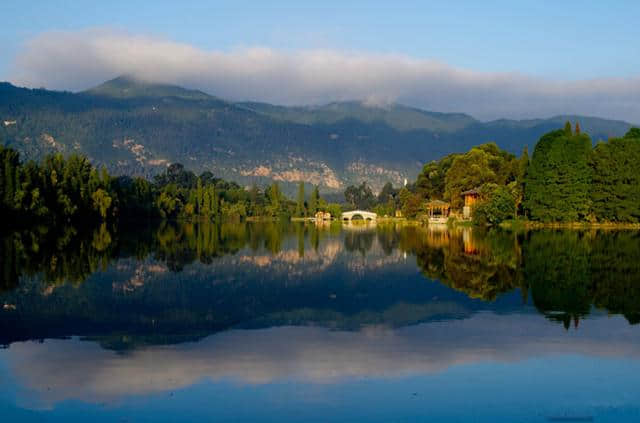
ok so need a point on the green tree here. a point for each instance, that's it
(360, 197)
(469, 171)
(431, 181)
(518, 185)
(412, 205)
(633, 133)
(300, 210)
(101, 202)
(558, 180)
(314, 201)
(496, 205)
(615, 187)
(335, 210)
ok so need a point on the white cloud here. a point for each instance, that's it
(61, 370)
(81, 59)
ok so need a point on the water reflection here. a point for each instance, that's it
(173, 282)
(61, 370)
(105, 316)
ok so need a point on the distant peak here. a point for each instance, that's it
(130, 86)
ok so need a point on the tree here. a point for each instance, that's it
(567, 129)
(314, 201)
(360, 197)
(412, 205)
(388, 193)
(300, 210)
(518, 184)
(633, 133)
(496, 205)
(274, 197)
(335, 210)
(615, 185)
(431, 181)
(199, 196)
(559, 177)
(101, 202)
(480, 165)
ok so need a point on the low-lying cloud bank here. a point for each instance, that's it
(81, 59)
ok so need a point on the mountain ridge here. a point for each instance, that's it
(137, 128)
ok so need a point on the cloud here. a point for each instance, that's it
(61, 370)
(81, 59)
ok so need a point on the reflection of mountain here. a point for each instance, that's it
(174, 283)
(309, 355)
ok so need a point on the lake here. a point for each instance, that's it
(275, 322)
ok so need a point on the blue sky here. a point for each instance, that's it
(567, 41)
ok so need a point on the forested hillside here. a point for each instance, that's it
(138, 129)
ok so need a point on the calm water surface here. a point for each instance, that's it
(293, 322)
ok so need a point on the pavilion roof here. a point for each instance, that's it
(437, 203)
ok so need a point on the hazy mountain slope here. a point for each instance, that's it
(129, 87)
(138, 128)
(397, 116)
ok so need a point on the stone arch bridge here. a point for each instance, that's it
(365, 215)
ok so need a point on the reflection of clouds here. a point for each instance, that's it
(296, 264)
(58, 370)
(141, 273)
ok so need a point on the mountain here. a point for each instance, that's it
(138, 128)
(130, 87)
(398, 117)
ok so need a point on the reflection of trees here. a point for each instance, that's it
(615, 273)
(482, 265)
(179, 244)
(360, 241)
(556, 267)
(569, 272)
(65, 254)
(388, 238)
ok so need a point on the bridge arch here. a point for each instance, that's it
(365, 215)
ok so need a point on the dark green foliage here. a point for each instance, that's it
(557, 186)
(360, 197)
(615, 273)
(300, 208)
(387, 194)
(615, 188)
(431, 181)
(70, 189)
(518, 188)
(633, 133)
(314, 201)
(58, 189)
(557, 267)
(497, 205)
(481, 165)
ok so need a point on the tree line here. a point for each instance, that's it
(567, 179)
(495, 172)
(70, 189)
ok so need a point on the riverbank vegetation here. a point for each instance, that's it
(69, 189)
(566, 180)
